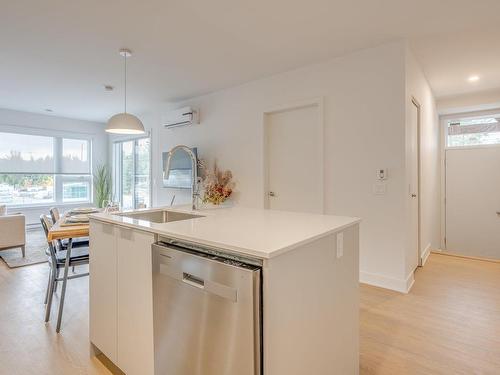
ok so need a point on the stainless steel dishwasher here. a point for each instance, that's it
(207, 311)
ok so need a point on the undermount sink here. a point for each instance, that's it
(163, 216)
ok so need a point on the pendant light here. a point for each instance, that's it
(125, 123)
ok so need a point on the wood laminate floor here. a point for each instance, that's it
(28, 346)
(448, 324)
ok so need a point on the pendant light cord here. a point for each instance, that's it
(125, 96)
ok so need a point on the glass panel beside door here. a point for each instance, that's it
(132, 166)
(127, 175)
(142, 173)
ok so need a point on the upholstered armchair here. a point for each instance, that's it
(13, 232)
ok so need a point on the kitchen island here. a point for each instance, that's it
(305, 313)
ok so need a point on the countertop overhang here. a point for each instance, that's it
(247, 231)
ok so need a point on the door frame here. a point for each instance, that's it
(314, 102)
(416, 103)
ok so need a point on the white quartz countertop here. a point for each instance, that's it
(245, 231)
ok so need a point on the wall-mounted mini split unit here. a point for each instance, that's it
(181, 117)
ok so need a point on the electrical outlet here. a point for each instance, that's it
(340, 244)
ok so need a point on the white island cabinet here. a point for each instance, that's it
(310, 273)
(103, 289)
(121, 301)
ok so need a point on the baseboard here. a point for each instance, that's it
(399, 285)
(425, 254)
(456, 255)
(410, 280)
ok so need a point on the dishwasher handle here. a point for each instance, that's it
(193, 280)
(208, 286)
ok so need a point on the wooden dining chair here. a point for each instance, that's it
(61, 260)
(54, 214)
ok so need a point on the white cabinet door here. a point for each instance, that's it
(135, 302)
(102, 288)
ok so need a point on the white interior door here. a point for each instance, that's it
(413, 188)
(472, 202)
(294, 142)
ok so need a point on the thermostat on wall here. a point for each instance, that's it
(382, 174)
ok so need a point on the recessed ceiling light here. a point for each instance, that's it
(473, 78)
(108, 88)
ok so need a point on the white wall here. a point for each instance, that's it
(364, 112)
(476, 101)
(53, 125)
(430, 177)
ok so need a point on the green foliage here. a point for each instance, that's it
(102, 185)
(21, 182)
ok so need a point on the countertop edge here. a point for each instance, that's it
(245, 251)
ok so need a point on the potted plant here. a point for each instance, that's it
(102, 185)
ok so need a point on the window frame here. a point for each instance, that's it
(58, 177)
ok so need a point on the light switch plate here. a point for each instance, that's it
(340, 244)
(379, 188)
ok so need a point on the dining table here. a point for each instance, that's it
(61, 230)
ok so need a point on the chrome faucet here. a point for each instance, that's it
(194, 172)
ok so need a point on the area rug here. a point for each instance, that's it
(35, 251)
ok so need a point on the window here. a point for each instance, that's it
(37, 170)
(75, 179)
(142, 173)
(75, 156)
(22, 189)
(132, 172)
(127, 175)
(473, 132)
(21, 153)
(76, 189)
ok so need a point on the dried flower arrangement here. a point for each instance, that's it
(217, 184)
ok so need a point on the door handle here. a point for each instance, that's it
(498, 213)
(414, 195)
(272, 194)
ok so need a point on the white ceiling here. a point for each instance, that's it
(58, 54)
(449, 59)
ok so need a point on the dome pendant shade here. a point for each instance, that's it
(125, 123)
